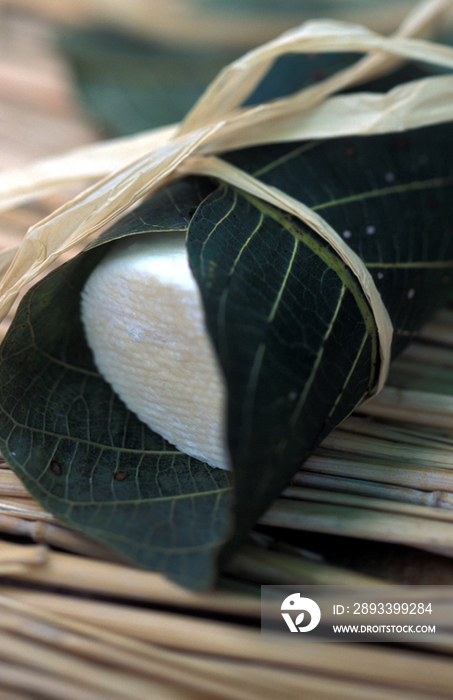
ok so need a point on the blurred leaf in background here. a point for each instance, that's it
(130, 85)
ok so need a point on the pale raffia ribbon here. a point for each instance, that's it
(217, 123)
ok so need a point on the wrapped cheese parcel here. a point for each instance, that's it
(286, 335)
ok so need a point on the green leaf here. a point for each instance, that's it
(291, 328)
(390, 197)
(81, 453)
(279, 305)
(129, 85)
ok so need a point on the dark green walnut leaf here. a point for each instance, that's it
(294, 335)
(289, 322)
(296, 339)
(81, 453)
(390, 197)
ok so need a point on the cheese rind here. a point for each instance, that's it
(144, 321)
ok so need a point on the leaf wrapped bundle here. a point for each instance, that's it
(291, 323)
(294, 334)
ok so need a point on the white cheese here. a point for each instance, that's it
(144, 321)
